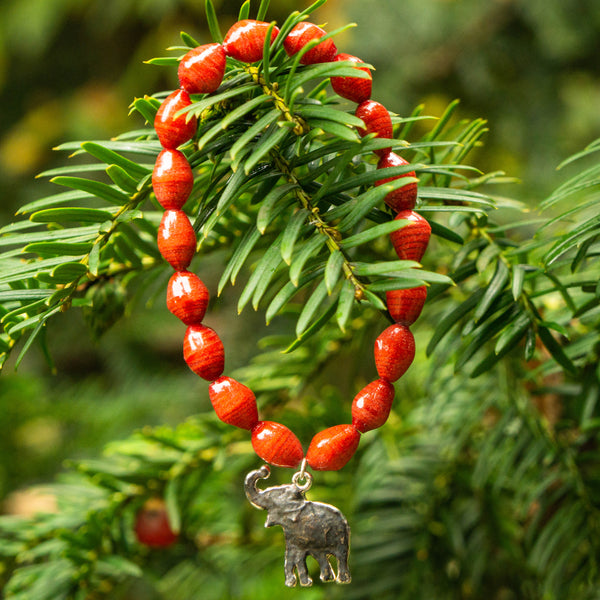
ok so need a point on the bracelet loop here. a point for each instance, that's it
(202, 70)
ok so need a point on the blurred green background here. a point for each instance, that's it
(70, 68)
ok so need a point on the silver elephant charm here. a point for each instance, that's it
(314, 528)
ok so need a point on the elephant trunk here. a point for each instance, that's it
(252, 492)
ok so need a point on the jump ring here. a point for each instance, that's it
(302, 474)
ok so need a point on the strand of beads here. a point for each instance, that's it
(201, 71)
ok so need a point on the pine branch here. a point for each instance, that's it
(511, 310)
(231, 175)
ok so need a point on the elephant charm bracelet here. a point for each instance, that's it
(310, 528)
(314, 528)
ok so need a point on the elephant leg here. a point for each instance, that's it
(296, 559)
(290, 576)
(325, 566)
(343, 575)
(305, 579)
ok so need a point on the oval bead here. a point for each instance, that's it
(403, 198)
(405, 305)
(234, 403)
(173, 131)
(394, 352)
(377, 120)
(276, 444)
(411, 241)
(356, 89)
(332, 448)
(201, 70)
(245, 40)
(303, 33)
(371, 406)
(187, 297)
(176, 239)
(203, 352)
(172, 179)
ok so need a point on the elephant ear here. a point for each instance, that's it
(296, 509)
(293, 504)
(292, 512)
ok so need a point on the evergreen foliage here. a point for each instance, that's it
(485, 487)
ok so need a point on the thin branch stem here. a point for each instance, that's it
(300, 125)
(332, 235)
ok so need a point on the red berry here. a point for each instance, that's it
(332, 448)
(173, 131)
(176, 239)
(187, 297)
(403, 198)
(377, 120)
(405, 305)
(411, 241)
(172, 179)
(201, 70)
(352, 88)
(152, 525)
(245, 40)
(276, 444)
(394, 352)
(371, 406)
(203, 352)
(303, 33)
(234, 403)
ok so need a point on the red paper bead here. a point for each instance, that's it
(377, 120)
(173, 131)
(276, 444)
(203, 352)
(394, 352)
(352, 88)
(234, 403)
(152, 526)
(245, 40)
(172, 179)
(411, 241)
(303, 33)
(176, 239)
(403, 198)
(187, 297)
(201, 70)
(405, 305)
(371, 406)
(332, 448)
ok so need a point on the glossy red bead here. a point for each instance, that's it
(332, 448)
(201, 70)
(405, 305)
(172, 130)
(176, 239)
(377, 120)
(303, 33)
(411, 241)
(371, 406)
(203, 352)
(356, 89)
(234, 403)
(276, 444)
(245, 40)
(152, 526)
(172, 179)
(394, 352)
(187, 297)
(403, 198)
